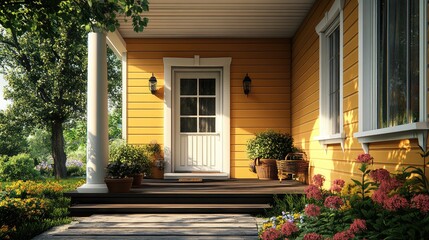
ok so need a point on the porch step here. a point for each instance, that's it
(96, 208)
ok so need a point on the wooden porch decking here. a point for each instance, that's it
(171, 196)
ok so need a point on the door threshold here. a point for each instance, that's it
(201, 175)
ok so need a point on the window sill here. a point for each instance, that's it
(326, 140)
(418, 130)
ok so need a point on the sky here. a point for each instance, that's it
(3, 103)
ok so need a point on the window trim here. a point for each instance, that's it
(368, 131)
(332, 19)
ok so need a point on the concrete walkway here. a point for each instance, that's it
(157, 226)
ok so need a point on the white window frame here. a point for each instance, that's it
(332, 19)
(368, 131)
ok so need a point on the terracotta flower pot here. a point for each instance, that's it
(119, 185)
(138, 178)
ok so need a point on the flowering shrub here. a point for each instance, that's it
(28, 208)
(45, 169)
(380, 205)
(75, 168)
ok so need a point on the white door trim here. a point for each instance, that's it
(169, 64)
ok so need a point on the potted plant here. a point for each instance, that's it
(153, 150)
(267, 147)
(118, 178)
(134, 156)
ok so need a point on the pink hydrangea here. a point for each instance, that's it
(312, 210)
(313, 236)
(395, 203)
(271, 234)
(333, 202)
(313, 192)
(380, 175)
(357, 226)
(289, 228)
(379, 196)
(364, 158)
(318, 180)
(339, 182)
(344, 235)
(421, 202)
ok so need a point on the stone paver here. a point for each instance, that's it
(157, 226)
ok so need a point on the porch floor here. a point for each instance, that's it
(171, 196)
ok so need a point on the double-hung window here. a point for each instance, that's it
(330, 30)
(392, 71)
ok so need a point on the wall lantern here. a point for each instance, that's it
(152, 84)
(247, 84)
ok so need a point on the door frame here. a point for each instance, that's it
(224, 64)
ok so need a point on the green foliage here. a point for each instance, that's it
(289, 203)
(20, 166)
(270, 144)
(115, 124)
(123, 155)
(30, 208)
(12, 134)
(39, 145)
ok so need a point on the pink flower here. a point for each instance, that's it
(379, 196)
(395, 203)
(358, 225)
(336, 188)
(334, 202)
(289, 228)
(421, 202)
(344, 235)
(389, 185)
(271, 234)
(364, 158)
(380, 175)
(313, 192)
(318, 180)
(339, 182)
(313, 236)
(312, 210)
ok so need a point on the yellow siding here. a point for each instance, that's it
(267, 61)
(334, 163)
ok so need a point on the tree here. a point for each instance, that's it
(12, 134)
(44, 56)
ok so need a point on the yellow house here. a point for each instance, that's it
(342, 76)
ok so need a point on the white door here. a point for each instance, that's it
(197, 122)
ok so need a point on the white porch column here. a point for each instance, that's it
(97, 132)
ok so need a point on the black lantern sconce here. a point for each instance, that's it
(247, 84)
(152, 84)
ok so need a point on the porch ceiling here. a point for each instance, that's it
(221, 19)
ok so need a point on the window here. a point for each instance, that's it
(330, 31)
(392, 71)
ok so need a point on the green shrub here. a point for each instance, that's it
(17, 167)
(270, 144)
(133, 155)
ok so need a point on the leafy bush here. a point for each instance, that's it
(380, 205)
(75, 168)
(45, 168)
(16, 167)
(132, 155)
(28, 208)
(270, 144)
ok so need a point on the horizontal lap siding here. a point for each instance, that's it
(334, 163)
(267, 61)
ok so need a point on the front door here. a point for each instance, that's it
(197, 122)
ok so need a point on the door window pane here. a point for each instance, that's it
(188, 106)
(188, 86)
(188, 124)
(207, 125)
(207, 87)
(207, 106)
